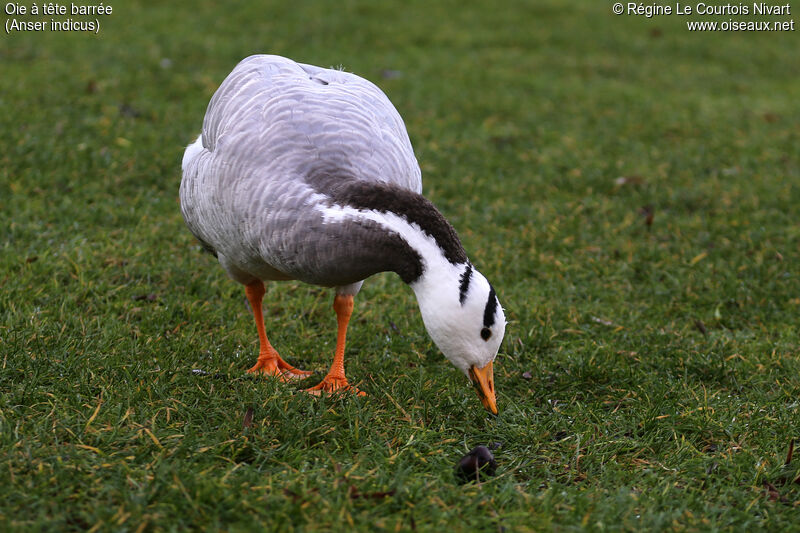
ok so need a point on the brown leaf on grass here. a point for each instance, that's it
(145, 297)
(647, 212)
(771, 117)
(247, 422)
(292, 494)
(355, 494)
(296, 498)
(711, 448)
(32, 259)
(91, 87)
(790, 453)
(700, 326)
(175, 330)
(592, 250)
(771, 492)
(129, 111)
(115, 262)
(632, 355)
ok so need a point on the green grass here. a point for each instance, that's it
(663, 379)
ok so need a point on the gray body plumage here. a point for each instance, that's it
(276, 137)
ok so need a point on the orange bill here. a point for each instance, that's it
(483, 381)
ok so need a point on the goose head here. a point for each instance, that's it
(464, 318)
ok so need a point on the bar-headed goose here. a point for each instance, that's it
(307, 173)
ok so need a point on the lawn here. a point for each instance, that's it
(629, 187)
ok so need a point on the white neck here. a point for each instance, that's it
(453, 324)
(435, 266)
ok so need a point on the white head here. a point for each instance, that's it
(464, 318)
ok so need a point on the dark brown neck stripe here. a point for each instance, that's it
(385, 198)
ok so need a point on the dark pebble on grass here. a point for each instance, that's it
(477, 465)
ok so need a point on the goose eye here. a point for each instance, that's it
(486, 333)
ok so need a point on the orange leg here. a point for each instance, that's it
(269, 362)
(335, 380)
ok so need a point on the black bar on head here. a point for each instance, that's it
(464, 285)
(491, 307)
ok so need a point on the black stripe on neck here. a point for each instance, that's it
(464, 285)
(346, 190)
(491, 307)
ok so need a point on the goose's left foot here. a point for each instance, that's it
(335, 381)
(272, 364)
(333, 384)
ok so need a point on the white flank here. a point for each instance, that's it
(191, 152)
